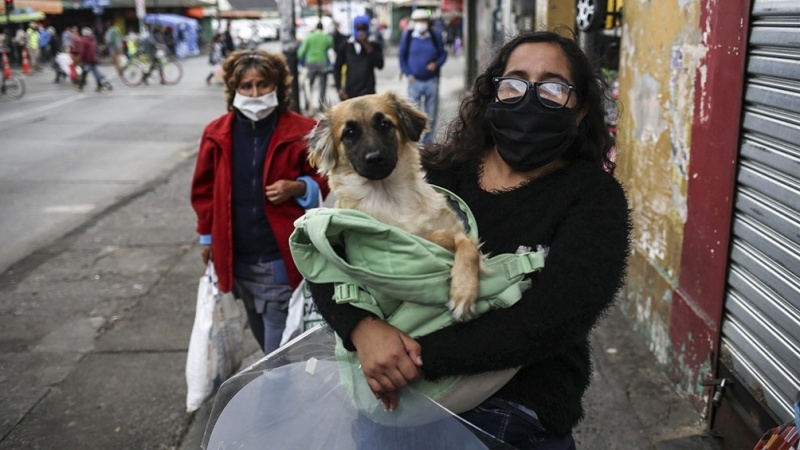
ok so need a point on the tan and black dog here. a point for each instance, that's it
(367, 146)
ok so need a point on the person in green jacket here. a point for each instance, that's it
(314, 51)
(113, 38)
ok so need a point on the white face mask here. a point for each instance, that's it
(420, 27)
(256, 108)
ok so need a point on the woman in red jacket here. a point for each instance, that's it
(251, 182)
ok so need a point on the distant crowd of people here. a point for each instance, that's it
(74, 53)
(353, 60)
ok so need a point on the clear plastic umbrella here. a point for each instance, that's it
(294, 398)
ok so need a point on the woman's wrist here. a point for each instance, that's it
(300, 188)
(361, 330)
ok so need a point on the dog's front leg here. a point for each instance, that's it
(464, 278)
(443, 238)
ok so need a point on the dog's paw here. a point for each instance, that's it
(462, 304)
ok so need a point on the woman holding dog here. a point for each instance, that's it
(529, 153)
(251, 182)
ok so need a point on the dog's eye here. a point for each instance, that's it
(386, 125)
(349, 133)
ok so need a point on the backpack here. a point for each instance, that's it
(405, 280)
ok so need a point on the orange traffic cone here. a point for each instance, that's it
(6, 66)
(26, 66)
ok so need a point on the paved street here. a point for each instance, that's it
(67, 155)
(97, 302)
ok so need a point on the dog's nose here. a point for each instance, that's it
(373, 158)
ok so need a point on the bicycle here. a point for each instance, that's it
(12, 85)
(135, 72)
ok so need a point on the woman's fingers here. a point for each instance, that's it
(206, 254)
(389, 358)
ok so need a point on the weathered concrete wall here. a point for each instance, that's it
(661, 55)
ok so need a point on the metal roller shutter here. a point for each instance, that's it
(760, 341)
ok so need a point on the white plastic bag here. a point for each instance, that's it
(303, 313)
(216, 348)
(219, 74)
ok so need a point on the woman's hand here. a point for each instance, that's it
(283, 190)
(206, 254)
(389, 358)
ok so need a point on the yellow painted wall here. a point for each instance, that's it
(661, 54)
(555, 13)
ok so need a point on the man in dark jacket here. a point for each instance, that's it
(359, 57)
(227, 39)
(339, 39)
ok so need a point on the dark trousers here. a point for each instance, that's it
(515, 426)
(90, 67)
(264, 289)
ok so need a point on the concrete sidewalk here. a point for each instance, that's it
(94, 331)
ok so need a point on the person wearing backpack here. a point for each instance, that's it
(421, 56)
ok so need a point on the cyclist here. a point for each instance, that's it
(149, 48)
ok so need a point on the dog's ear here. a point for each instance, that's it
(413, 121)
(321, 151)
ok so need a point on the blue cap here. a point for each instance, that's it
(361, 20)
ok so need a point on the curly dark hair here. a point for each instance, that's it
(468, 137)
(271, 65)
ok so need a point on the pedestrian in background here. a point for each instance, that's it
(44, 44)
(421, 55)
(168, 36)
(339, 38)
(20, 42)
(314, 52)
(54, 45)
(530, 155)
(32, 45)
(87, 55)
(251, 182)
(66, 39)
(74, 53)
(361, 57)
(228, 40)
(60, 60)
(216, 56)
(113, 38)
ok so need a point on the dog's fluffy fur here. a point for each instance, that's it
(367, 146)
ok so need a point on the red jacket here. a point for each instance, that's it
(87, 50)
(212, 187)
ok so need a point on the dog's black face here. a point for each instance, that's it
(366, 135)
(371, 147)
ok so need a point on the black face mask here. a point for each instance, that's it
(529, 135)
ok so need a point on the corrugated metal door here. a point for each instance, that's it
(760, 342)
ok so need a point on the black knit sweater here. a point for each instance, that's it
(580, 213)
